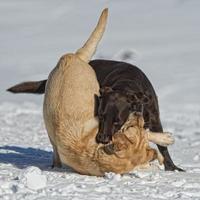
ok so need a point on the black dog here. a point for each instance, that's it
(125, 88)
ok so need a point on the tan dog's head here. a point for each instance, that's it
(130, 135)
(131, 143)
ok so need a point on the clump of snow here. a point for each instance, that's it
(112, 176)
(33, 178)
(141, 174)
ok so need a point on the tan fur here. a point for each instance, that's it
(89, 48)
(71, 126)
(131, 150)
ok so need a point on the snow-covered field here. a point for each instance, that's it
(161, 37)
(25, 159)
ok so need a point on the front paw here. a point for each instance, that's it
(166, 139)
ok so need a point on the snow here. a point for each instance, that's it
(25, 162)
(113, 176)
(161, 37)
(32, 178)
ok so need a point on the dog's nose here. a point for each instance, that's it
(103, 138)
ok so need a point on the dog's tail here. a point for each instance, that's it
(85, 53)
(36, 87)
(89, 48)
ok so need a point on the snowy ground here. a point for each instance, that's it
(161, 37)
(25, 159)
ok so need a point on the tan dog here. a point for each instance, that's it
(70, 123)
(129, 148)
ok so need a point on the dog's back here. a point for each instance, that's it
(109, 71)
(129, 78)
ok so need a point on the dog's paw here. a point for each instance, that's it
(165, 139)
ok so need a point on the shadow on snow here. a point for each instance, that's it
(22, 157)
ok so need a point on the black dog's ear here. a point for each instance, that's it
(105, 89)
(96, 104)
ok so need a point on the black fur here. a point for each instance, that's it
(36, 87)
(124, 90)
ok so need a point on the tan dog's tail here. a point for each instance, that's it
(89, 48)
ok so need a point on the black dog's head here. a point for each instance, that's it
(113, 111)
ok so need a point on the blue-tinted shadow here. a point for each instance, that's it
(22, 157)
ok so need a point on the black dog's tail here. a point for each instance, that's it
(36, 87)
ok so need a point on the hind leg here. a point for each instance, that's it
(156, 126)
(56, 159)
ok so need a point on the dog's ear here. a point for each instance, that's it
(105, 90)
